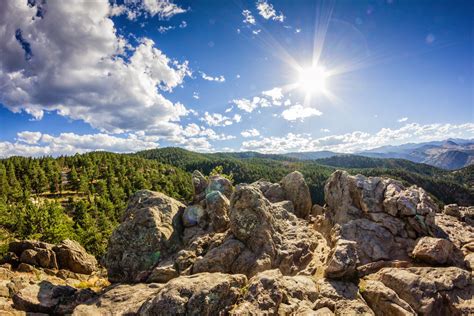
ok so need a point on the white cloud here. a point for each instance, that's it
(183, 24)
(163, 29)
(256, 32)
(216, 119)
(80, 69)
(325, 130)
(29, 137)
(164, 9)
(248, 17)
(403, 119)
(38, 144)
(250, 133)
(359, 141)
(211, 78)
(267, 11)
(237, 118)
(267, 99)
(196, 95)
(298, 112)
(276, 94)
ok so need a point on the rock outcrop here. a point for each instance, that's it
(376, 248)
(150, 229)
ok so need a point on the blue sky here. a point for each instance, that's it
(233, 75)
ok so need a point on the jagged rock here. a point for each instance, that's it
(341, 297)
(150, 229)
(380, 215)
(162, 273)
(317, 210)
(218, 206)
(272, 191)
(18, 246)
(343, 260)
(4, 289)
(271, 293)
(193, 215)
(41, 298)
(219, 259)
(383, 300)
(273, 236)
(452, 210)
(221, 184)
(431, 291)
(297, 191)
(198, 294)
(29, 256)
(434, 251)
(120, 299)
(25, 267)
(200, 184)
(72, 256)
(46, 258)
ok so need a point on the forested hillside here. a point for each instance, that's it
(80, 197)
(446, 186)
(83, 196)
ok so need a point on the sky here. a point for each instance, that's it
(261, 75)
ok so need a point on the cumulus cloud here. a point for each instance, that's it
(84, 69)
(267, 11)
(211, 78)
(403, 119)
(299, 112)
(250, 133)
(163, 29)
(38, 144)
(248, 17)
(164, 9)
(359, 141)
(216, 119)
(268, 98)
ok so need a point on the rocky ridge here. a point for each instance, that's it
(375, 248)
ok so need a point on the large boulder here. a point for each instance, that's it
(72, 256)
(118, 299)
(431, 291)
(150, 230)
(434, 251)
(271, 293)
(297, 191)
(221, 184)
(199, 294)
(218, 206)
(383, 217)
(200, 184)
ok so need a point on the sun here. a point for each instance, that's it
(313, 80)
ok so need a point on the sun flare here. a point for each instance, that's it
(313, 80)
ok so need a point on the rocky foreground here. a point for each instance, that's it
(375, 248)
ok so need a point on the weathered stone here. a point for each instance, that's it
(297, 191)
(452, 210)
(433, 250)
(198, 294)
(317, 210)
(25, 267)
(431, 291)
(200, 184)
(193, 215)
(271, 293)
(343, 260)
(219, 259)
(120, 299)
(272, 191)
(383, 300)
(46, 258)
(162, 273)
(72, 256)
(29, 256)
(150, 229)
(218, 206)
(221, 184)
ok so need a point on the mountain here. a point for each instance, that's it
(450, 154)
(310, 155)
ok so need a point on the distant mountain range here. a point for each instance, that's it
(448, 154)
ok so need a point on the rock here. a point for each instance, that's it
(297, 191)
(200, 184)
(25, 267)
(272, 191)
(383, 300)
(431, 291)
(120, 299)
(150, 229)
(41, 298)
(273, 237)
(343, 260)
(218, 209)
(434, 251)
(18, 246)
(271, 293)
(193, 215)
(29, 256)
(46, 258)
(221, 184)
(219, 259)
(72, 256)
(162, 273)
(4, 289)
(452, 210)
(199, 294)
(317, 210)
(341, 297)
